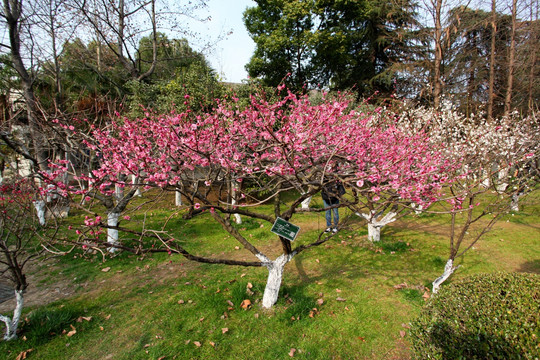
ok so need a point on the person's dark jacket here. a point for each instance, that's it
(332, 191)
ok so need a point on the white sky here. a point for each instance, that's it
(229, 56)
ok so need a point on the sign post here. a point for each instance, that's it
(285, 229)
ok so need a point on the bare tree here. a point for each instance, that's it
(511, 61)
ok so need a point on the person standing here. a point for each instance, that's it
(331, 193)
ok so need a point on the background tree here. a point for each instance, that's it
(334, 44)
(283, 32)
(363, 45)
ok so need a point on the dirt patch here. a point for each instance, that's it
(35, 294)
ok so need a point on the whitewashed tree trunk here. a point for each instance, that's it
(41, 208)
(275, 275)
(485, 182)
(374, 232)
(417, 208)
(112, 234)
(12, 324)
(448, 270)
(514, 205)
(306, 202)
(503, 175)
(234, 192)
(178, 198)
(119, 191)
(375, 225)
(135, 181)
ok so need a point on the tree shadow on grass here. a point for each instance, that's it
(532, 266)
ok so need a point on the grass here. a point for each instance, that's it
(347, 299)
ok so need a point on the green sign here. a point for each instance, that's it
(285, 229)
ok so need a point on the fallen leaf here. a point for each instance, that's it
(320, 302)
(201, 319)
(106, 269)
(361, 339)
(346, 308)
(317, 260)
(230, 303)
(246, 304)
(291, 353)
(426, 296)
(187, 341)
(213, 344)
(401, 286)
(101, 328)
(22, 355)
(108, 317)
(224, 330)
(256, 316)
(71, 333)
(242, 275)
(197, 344)
(146, 346)
(87, 318)
(406, 326)
(338, 290)
(402, 333)
(237, 248)
(249, 285)
(340, 299)
(24, 338)
(181, 301)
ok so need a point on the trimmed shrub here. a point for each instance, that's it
(486, 316)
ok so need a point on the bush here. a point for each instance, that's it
(486, 316)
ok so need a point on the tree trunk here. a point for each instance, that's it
(491, 91)
(275, 275)
(448, 270)
(437, 79)
(41, 208)
(234, 193)
(375, 225)
(511, 61)
(112, 234)
(135, 182)
(306, 202)
(514, 205)
(12, 324)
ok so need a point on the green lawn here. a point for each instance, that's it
(338, 301)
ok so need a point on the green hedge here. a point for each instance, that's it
(486, 316)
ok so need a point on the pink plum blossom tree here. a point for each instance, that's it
(231, 160)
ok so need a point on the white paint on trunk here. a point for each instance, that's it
(306, 202)
(178, 198)
(417, 208)
(112, 234)
(135, 182)
(275, 275)
(514, 205)
(375, 225)
(448, 270)
(12, 324)
(503, 175)
(485, 181)
(40, 209)
(374, 232)
(118, 191)
(234, 186)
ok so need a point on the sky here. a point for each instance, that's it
(228, 56)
